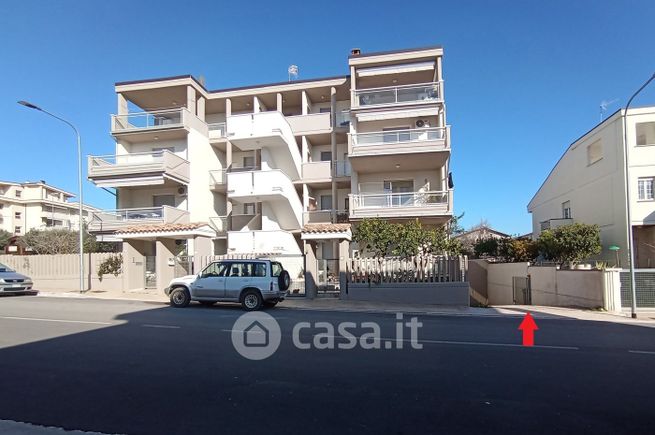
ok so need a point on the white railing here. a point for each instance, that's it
(262, 242)
(153, 119)
(343, 118)
(399, 136)
(425, 269)
(217, 130)
(146, 162)
(426, 92)
(397, 200)
(113, 219)
(217, 178)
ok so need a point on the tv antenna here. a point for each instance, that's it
(293, 72)
(604, 105)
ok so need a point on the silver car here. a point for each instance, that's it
(13, 283)
(252, 283)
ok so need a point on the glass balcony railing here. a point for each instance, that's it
(147, 120)
(399, 136)
(428, 92)
(400, 200)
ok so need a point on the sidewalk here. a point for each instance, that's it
(335, 304)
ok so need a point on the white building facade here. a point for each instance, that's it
(284, 168)
(37, 205)
(588, 185)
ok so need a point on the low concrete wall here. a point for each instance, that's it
(61, 272)
(499, 281)
(447, 293)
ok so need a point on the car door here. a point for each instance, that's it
(211, 282)
(260, 277)
(237, 279)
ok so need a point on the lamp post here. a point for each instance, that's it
(79, 184)
(628, 214)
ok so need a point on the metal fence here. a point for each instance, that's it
(645, 290)
(420, 269)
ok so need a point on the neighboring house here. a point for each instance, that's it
(480, 232)
(277, 168)
(588, 185)
(37, 205)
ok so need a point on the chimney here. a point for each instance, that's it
(355, 52)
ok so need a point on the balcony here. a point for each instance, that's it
(324, 216)
(218, 180)
(108, 221)
(400, 205)
(551, 224)
(322, 171)
(425, 93)
(313, 123)
(138, 169)
(145, 126)
(415, 140)
(217, 131)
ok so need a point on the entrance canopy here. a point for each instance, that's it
(326, 231)
(171, 231)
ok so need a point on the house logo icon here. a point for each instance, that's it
(256, 335)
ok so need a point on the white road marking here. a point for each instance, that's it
(161, 326)
(645, 352)
(36, 319)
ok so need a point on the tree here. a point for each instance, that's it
(56, 241)
(382, 238)
(570, 243)
(486, 247)
(4, 238)
(517, 250)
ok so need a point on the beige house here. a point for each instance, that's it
(588, 185)
(276, 168)
(37, 205)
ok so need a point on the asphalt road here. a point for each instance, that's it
(139, 368)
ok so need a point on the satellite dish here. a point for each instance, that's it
(293, 72)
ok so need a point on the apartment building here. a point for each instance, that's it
(37, 205)
(588, 185)
(283, 168)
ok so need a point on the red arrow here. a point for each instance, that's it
(528, 326)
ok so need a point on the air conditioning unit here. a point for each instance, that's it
(181, 191)
(420, 123)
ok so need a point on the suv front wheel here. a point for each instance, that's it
(180, 297)
(251, 300)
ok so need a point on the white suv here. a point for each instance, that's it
(253, 283)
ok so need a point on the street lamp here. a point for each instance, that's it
(79, 184)
(631, 248)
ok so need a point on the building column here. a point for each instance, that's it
(333, 143)
(311, 271)
(279, 102)
(200, 107)
(122, 105)
(305, 103)
(228, 107)
(191, 99)
(134, 263)
(165, 266)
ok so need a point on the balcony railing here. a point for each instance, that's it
(400, 136)
(399, 200)
(220, 224)
(132, 164)
(148, 120)
(423, 93)
(111, 220)
(343, 168)
(323, 170)
(324, 216)
(343, 119)
(217, 130)
(217, 179)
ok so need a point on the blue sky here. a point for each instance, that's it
(523, 79)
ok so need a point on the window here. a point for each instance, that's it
(645, 133)
(17, 230)
(566, 210)
(276, 269)
(249, 208)
(17, 215)
(326, 156)
(324, 110)
(645, 189)
(594, 152)
(249, 162)
(18, 193)
(260, 269)
(326, 202)
(161, 200)
(214, 270)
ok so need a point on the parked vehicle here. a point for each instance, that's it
(14, 283)
(252, 283)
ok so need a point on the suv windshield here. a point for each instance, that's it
(4, 268)
(276, 268)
